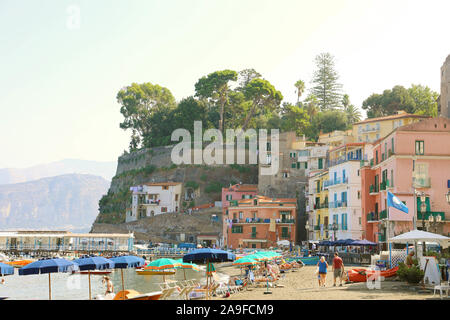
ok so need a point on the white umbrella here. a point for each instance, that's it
(421, 236)
(283, 243)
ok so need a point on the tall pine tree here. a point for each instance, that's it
(326, 87)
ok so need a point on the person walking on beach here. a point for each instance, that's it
(323, 266)
(338, 269)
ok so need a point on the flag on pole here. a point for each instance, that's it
(393, 201)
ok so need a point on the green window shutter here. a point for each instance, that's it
(320, 163)
(293, 165)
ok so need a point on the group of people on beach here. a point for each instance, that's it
(338, 270)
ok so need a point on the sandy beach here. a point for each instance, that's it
(302, 285)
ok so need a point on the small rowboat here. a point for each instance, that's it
(19, 263)
(360, 275)
(146, 272)
(134, 295)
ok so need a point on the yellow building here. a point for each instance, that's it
(336, 138)
(373, 129)
(318, 206)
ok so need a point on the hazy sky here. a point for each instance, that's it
(58, 83)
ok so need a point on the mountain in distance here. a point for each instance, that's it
(64, 202)
(106, 169)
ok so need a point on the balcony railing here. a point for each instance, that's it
(422, 182)
(428, 214)
(370, 129)
(372, 216)
(374, 188)
(384, 185)
(337, 204)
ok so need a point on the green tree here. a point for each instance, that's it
(247, 75)
(311, 104)
(326, 87)
(300, 86)
(295, 118)
(215, 87)
(425, 100)
(351, 112)
(139, 103)
(264, 99)
(189, 110)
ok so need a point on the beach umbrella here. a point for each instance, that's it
(93, 263)
(363, 243)
(187, 265)
(162, 264)
(48, 266)
(123, 262)
(246, 261)
(6, 269)
(207, 255)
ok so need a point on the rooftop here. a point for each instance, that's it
(162, 183)
(400, 115)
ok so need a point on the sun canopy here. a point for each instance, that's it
(48, 266)
(6, 269)
(127, 262)
(421, 236)
(207, 254)
(363, 243)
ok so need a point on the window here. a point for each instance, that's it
(359, 194)
(391, 184)
(376, 157)
(293, 165)
(285, 175)
(241, 215)
(320, 165)
(358, 172)
(284, 232)
(236, 229)
(268, 146)
(268, 159)
(165, 188)
(163, 209)
(392, 145)
(420, 147)
(176, 197)
(228, 197)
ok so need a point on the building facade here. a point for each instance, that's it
(234, 192)
(444, 99)
(413, 159)
(152, 199)
(318, 222)
(372, 129)
(261, 221)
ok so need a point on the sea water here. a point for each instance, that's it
(66, 286)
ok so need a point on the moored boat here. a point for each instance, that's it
(155, 272)
(360, 275)
(135, 295)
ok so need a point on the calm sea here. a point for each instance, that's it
(66, 286)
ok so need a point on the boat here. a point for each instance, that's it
(135, 295)
(309, 261)
(360, 275)
(147, 272)
(92, 272)
(19, 263)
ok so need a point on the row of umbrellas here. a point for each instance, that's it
(86, 263)
(347, 242)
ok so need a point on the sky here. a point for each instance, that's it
(62, 62)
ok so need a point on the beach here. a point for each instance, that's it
(303, 285)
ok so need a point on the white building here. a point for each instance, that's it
(344, 188)
(151, 199)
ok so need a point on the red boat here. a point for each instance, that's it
(360, 275)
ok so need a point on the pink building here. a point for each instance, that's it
(235, 193)
(411, 159)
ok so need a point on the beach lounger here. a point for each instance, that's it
(441, 288)
(166, 293)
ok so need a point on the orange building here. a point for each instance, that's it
(261, 222)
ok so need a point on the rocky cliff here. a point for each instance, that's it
(67, 202)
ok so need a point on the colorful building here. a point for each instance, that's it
(235, 192)
(373, 129)
(318, 222)
(344, 191)
(336, 138)
(411, 160)
(261, 221)
(152, 199)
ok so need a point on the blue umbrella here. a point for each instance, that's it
(6, 269)
(123, 262)
(93, 263)
(363, 243)
(48, 266)
(208, 255)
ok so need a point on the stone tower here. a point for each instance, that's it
(444, 99)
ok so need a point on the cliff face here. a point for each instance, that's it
(62, 202)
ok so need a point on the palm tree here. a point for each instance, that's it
(312, 105)
(352, 113)
(300, 85)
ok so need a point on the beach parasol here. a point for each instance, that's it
(162, 264)
(93, 263)
(187, 265)
(245, 261)
(207, 255)
(123, 262)
(48, 266)
(6, 269)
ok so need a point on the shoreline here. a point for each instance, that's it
(303, 285)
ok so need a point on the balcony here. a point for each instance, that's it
(337, 204)
(428, 214)
(372, 216)
(383, 214)
(370, 129)
(390, 153)
(423, 182)
(384, 185)
(373, 189)
(287, 221)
